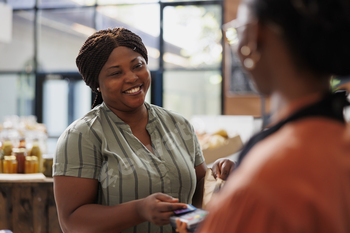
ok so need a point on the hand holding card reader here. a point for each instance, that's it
(191, 215)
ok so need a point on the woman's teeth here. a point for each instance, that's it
(133, 90)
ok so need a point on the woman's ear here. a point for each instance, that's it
(250, 51)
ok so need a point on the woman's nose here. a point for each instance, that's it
(131, 77)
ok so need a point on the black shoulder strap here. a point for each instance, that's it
(331, 106)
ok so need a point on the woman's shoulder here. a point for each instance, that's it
(167, 114)
(90, 121)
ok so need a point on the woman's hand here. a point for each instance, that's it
(158, 208)
(222, 168)
(181, 226)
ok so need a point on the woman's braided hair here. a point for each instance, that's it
(97, 49)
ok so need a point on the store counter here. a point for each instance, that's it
(27, 204)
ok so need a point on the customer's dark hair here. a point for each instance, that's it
(316, 31)
(97, 49)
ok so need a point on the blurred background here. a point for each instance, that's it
(38, 75)
(194, 71)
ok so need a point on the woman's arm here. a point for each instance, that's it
(77, 211)
(198, 194)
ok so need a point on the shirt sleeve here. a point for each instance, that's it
(77, 155)
(199, 158)
(242, 211)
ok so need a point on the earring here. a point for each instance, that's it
(245, 50)
(98, 89)
(249, 63)
(254, 56)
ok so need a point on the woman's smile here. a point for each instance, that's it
(134, 90)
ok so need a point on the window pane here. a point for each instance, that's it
(64, 102)
(18, 55)
(62, 33)
(193, 92)
(140, 19)
(185, 0)
(82, 99)
(192, 36)
(17, 93)
(55, 106)
(21, 4)
(65, 3)
(105, 2)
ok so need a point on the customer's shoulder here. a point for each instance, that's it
(312, 131)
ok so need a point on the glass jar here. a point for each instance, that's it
(31, 164)
(20, 154)
(1, 161)
(48, 167)
(36, 151)
(7, 147)
(10, 164)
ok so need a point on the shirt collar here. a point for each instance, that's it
(152, 118)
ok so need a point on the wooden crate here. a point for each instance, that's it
(28, 206)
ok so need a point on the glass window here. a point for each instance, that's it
(18, 55)
(192, 36)
(183, 0)
(105, 2)
(64, 101)
(21, 4)
(144, 20)
(55, 106)
(62, 33)
(193, 92)
(17, 95)
(64, 3)
(81, 99)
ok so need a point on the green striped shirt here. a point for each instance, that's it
(101, 146)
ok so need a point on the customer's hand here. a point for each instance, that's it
(222, 168)
(158, 208)
(181, 226)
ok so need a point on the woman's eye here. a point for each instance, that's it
(138, 65)
(115, 73)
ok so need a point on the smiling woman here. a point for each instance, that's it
(125, 165)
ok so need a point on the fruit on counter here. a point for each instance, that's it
(214, 140)
(221, 132)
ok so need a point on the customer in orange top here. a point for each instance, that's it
(295, 175)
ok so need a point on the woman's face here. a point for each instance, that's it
(124, 80)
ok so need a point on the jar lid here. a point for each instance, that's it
(31, 158)
(9, 157)
(19, 150)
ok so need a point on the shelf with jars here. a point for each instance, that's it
(23, 146)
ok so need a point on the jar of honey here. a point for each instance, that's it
(20, 154)
(36, 151)
(31, 164)
(7, 147)
(9, 164)
(48, 167)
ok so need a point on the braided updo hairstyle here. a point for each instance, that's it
(97, 49)
(317, 32)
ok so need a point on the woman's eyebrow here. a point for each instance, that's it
(112, 67)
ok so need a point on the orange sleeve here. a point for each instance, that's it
(242, 211)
